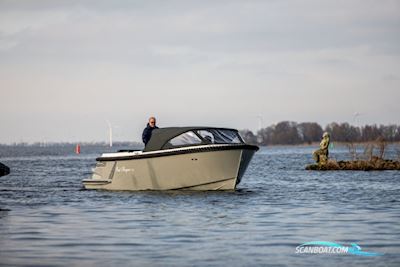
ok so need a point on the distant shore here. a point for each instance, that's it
(138, 144)
(293, 133)
(61, 144)
(334, 144)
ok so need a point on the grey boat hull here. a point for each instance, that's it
(215, 168)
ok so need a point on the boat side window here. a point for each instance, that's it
(188, 138)
(226, 137)
(206, 135)
(220, 136)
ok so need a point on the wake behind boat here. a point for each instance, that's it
(194, 158)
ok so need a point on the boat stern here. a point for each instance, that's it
(101, 176)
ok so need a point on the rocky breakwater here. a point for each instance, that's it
(374, 164)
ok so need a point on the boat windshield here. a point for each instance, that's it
(204, 136)
(220, 136)
(188, 138)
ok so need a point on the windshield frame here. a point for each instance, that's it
(218, 136)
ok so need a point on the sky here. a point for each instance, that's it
(68, 67)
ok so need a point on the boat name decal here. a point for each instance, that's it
(125, 170)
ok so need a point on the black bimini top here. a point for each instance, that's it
(174, 137)
(180, 140)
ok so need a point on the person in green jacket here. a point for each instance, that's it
(321, 155)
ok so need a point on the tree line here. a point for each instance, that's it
(292, 133)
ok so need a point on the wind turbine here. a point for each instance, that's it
(260, 121)
(355, 115)
(109, 132)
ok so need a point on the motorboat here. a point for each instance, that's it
(192, 158)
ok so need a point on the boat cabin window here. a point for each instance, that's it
(206, 135)
(220, 136)
(188, 138)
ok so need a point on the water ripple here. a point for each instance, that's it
(279, 205)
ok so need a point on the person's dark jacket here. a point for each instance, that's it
(147, 133)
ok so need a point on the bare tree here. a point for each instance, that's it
(352, 150)
(381, 143)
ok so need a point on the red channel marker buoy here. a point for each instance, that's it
(78, 149)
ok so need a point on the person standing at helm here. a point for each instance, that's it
(321, 155)
(151, 125)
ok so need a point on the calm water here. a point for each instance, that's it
(47, 219)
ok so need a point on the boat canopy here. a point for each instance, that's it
(173, 137)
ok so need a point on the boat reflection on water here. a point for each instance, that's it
(192, 158)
